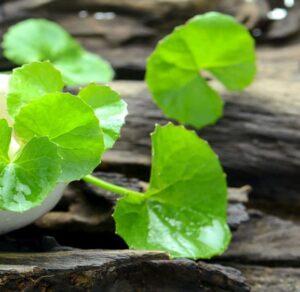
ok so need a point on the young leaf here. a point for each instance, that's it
(84, 69)
(213, 42)
(70, 124)
(39, 40)
(109, 108)
(26, 180)
(184, 210)
(30, 82)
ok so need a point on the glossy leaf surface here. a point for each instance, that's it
(109, 108)
(210, 42)
(184, 210)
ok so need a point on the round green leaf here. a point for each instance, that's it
(26, 180)
(40, 40)
(70, 124)
(37, 40)
(109, 108)
(213, 42)
(30, 82)
(85, 68)
(184, 210)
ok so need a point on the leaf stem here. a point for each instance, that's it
(132, 195)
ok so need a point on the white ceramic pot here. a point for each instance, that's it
(10, 221)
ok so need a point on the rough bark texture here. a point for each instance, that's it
(265, 240)
(266, 249)
(156, 8)
(263, 279)
(93, 270)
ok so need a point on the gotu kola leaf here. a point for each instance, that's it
(31, 82)
(77, 135)
(84, 69)
(184, 210)
(109, 108)
(28, 177)
(40, 40)
(213, 42)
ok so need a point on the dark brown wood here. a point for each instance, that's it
(265, 249)
(158, 8)
(95, 270)
(265, 240)
(262, 279)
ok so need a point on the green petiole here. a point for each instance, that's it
(133, 196)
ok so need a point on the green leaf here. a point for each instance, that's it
(184, 210)
(85, 68)
(109, 108)
(39, 40)
(69, 123)
(5, 134)
(30, 82)
(213, 42)
(30, 176)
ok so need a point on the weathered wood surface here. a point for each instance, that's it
(156, 8)
(127, 39)
(124, 38)
(252, 14)
(265, 279)
(266, 250)
(265, 240)
(95, 270)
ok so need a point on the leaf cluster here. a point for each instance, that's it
(62, 136)
(43, 40)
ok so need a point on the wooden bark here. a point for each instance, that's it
(265, 240)
(262, 279)
(94, 270)
(157, 8)
(128, 39)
